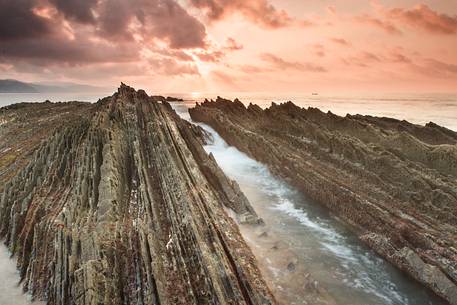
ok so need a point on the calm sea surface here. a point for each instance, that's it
(416, 108)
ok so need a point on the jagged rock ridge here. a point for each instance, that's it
(394, 182)
(117, 203)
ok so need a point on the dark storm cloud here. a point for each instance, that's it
(78, 10)
(162, 19)
(78, 32)
(62, 50)
(17, 20)
(166, 19)
(115, 16)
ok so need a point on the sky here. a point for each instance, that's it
(233, 45)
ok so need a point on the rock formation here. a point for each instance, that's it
(160, 98)
(117, 203)
(393, 182)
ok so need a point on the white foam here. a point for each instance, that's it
(10, 289)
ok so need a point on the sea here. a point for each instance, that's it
(418, 108)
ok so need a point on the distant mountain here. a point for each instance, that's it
(15, 86)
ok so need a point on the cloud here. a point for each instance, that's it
(77, 10)
(422, 16)
(216, 53)
(224, 78)
(152, 19)
(368, 59)
(441, 68)
(64, 51)
(56, 33)
(319, 50)
(249, 69)
(18, 21)
(397, 56)
(170, 66)
(177, 54)
(111, 20)
(369, 56)
(210, 56)
(281, 64)
(232, 45)
(258, 11)
(340, 41)
(382, 24)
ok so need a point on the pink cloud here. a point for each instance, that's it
(170, 66)
(224, 78)
(318, 50)
(441, 68)
(216, 53)
(257, 11)
(368, 59)
(281, 64)
(340, 41)
(382, 24)
(397, 56)
(166, 20)
(93, 32)
(249, 69)
(210, 56)
(233, 45)
(424, 17)
(421, 16)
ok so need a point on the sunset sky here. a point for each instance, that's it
(233, 45)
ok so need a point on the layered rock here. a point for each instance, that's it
(117, 203)
(393, 182)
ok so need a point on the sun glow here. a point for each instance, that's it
(196, 94)
(204, 68)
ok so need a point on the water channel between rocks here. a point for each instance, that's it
(306, 255)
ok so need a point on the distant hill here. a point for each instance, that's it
(15, 86)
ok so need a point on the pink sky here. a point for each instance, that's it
(234, 45)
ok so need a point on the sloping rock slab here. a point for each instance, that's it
(117, 203)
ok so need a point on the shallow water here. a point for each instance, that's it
(10, 289)
(301, 240)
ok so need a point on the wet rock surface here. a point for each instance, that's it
(117, 203)
(393, 182)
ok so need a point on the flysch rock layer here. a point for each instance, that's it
(117, 203)
(394, 182)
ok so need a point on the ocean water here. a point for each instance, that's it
(415, 108)
(301, 240)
